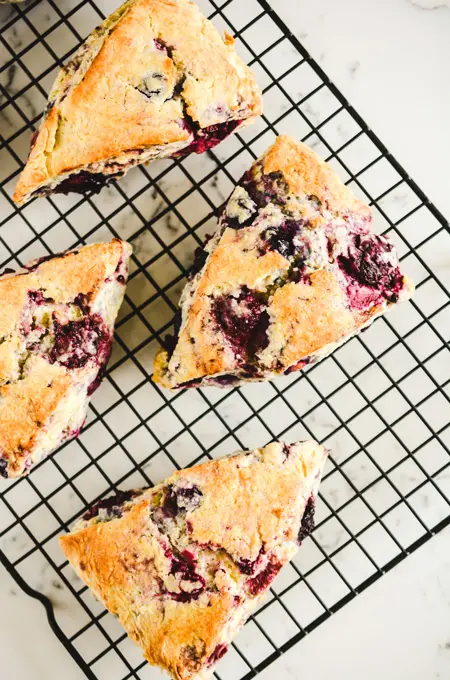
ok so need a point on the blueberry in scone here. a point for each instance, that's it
(184, 564)
(56, 329)
(154, 80)
(293, 271)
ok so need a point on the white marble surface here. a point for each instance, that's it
(391, 58)
(398, 630)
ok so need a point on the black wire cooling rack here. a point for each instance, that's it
(380, 403)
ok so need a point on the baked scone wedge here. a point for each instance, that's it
(56, 329)
(184, 564)
(292, 272)
(154, 80)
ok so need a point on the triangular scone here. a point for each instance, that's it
(185, 563)
(56, 329)
(292, 272)
(154, 80)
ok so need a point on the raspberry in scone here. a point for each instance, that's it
(56, 329)
(155, 80)
(293, 271)
(184, 564)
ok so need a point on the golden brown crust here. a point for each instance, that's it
(13, 294)
(251, 509)
(84, 272)
(36, 171)
(226, 272)
(115, 559)
(33, 387)
(308, 175)
(307, 317)
(285, 261)
(61, 278)
(26, 406)
(108, 112)
(271, 491)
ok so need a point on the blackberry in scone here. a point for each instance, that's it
(56, 330)
(293, 271)
(154, 80)
(184, 564)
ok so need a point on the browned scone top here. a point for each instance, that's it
(182, 565)
(54, 314)
(153, 73)
(293, 271)
(61, 278)
(306, 175)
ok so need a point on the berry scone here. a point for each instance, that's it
(185, 563)
(292, 272)
(56, 329)
(154, 80)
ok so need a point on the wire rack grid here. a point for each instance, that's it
(380, 403)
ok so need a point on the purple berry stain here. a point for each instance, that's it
(78, 342)
(282, 238)
(297, 367)
(200, 257)
(31, 267)
(37, 298)
(184, 567)
(7, 270)
(246, 566)
(4, 467)
(263, 580)
(307, 524)
(95, 384)
(268, 189)
(226, 380)
(192, 383)
(181, 500)
(208, 137)
(82, 302)
(170, 341)
(217, 654)
(371, 262)
(249, 566)
(84, 181)
(243, 321)
(113, 505)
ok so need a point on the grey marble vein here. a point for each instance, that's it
(430, 4)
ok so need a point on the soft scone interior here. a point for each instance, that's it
(184, 564)
(293, 271)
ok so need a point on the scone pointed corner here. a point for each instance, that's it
(57, 320)
(155, 80)
(184, 564)
(293, 271)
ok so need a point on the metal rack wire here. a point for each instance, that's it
(380, 403)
